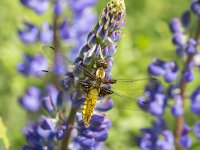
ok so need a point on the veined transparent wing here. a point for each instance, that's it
(126, 92)
(126, 102)
(62, 64)
(129, 87)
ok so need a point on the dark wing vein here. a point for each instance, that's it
(126, 92)
(125, 102)
(126, 85)
(50, 52)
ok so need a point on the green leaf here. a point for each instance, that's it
(4, 142)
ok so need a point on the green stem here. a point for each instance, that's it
(180, 120)
(70, 124)
(56, 43)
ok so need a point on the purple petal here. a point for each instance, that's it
(46, 33)
(105, 105)
(30, 34)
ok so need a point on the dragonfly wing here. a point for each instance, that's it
(122, 100)
(56, 59)
(50, 52)
(125, 86)
(130, 91)
(125, 102)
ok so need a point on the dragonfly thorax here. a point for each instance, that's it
(100, 73)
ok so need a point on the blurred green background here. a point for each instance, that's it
(145, 35)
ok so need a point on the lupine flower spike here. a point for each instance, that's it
(177, 78)
(101, 45)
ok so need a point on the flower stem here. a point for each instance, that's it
(70, 123)
(180, 119)
(56, 43)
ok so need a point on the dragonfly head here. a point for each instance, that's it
(102, 64)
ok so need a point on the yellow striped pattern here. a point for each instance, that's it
(88, 107)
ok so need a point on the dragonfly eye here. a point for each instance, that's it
(105, 65)
(102, 63)
(98, 64)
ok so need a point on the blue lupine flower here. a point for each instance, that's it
(191, 47)
(59, 67)
(177, 108)
(89, 138)
(156, 137)
(39, 6)
(26, 147)
(32, 65)
(52, 99)
(154, 97)
(65, 31)
(46, 33)
(95, 42)
(80, 5)
(176, 26)
(173, 91)
(186, 19)
(141, 104)
(195, 7)
(105, 105)
(59, 6)
(75, 33)
(157, 67)
(195, 101)
(32, 135)
(197, 130)
(185, 141)
(77, 102)
(43, 134)
(186, 49)
(30, 34)
(47, 123)
(188, 75)
(31, 100)
(179, 39)
(167, 143)
(186, 130)
(159, 102)
(169, 70)
(82, 23)
(49, 128)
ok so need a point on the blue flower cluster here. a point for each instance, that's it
(48, 132)
(156, 137)
(31, 65)
(43, 134)
(173, 94)
(63, 121)
(101, 44)
(72, 30)
(94, 136)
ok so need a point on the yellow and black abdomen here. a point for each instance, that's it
(89, 105)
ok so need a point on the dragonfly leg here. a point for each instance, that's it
(109, 81)
(104, 91)
(86, 86)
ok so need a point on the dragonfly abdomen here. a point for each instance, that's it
(89, 104)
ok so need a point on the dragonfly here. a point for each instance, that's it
(124, 92)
